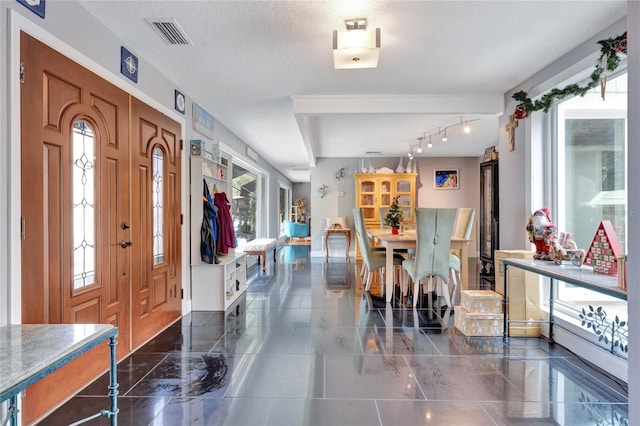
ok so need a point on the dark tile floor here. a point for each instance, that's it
(306, 347)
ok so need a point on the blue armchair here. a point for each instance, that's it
(295, 230)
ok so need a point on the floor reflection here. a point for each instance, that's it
(305, 345)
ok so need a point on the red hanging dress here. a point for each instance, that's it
(226, 235)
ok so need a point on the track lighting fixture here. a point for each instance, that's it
(442, 133)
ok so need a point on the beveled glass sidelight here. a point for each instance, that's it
(83, 204)
(158, 206)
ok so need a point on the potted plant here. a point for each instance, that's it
(394, 217)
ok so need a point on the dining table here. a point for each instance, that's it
(407, 240)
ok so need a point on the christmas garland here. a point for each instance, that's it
(608, 62)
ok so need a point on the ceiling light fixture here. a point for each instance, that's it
(442, 133)
(356, 47)
(465, 126)
(419, 150)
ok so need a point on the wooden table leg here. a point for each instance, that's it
(348, 235)
(326, 246)
(464, 266)
(389, 274)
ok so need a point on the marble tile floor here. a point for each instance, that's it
(305, 346)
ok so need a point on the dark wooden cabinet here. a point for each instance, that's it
(489, 215)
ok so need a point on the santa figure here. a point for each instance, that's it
(543, 233)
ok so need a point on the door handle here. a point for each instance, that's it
(125, 243)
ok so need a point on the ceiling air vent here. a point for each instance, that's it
(170, 31)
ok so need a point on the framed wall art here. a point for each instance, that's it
(202, 121)
(446, 179)
(489, 153)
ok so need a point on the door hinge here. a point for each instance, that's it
(181, 219)
(181, 144)
(182, 293)
(23, 226)
(21, 72)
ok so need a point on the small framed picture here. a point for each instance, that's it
(202, 121)
(196, 147)
(446, 179)
(489, 153)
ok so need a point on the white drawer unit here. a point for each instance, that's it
(217, 287)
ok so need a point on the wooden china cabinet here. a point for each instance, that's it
(377, 190)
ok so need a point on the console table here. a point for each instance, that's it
(30, 352)
(339, 231)
(580, 276)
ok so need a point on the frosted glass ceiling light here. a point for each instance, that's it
(356, 47)
(444, 135)
(430, 145)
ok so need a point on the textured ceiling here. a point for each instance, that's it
(264, 69)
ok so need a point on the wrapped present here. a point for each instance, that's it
(478, 323)
(481, 301)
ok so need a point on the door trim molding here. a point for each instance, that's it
(18, 23)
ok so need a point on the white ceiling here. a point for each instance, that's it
(265, 69)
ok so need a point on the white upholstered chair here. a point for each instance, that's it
(373, 260)
(462, 229)
(434, 228)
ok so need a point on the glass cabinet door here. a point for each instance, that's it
(385, 193)
(368, 198)
(405, 194)
(487, 213)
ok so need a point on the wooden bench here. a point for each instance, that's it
(259, 247)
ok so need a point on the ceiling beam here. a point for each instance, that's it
(397, 104)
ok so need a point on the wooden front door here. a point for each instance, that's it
(75, 200)
(155, 221)
(88, 206)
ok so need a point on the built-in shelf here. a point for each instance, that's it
(216, 287)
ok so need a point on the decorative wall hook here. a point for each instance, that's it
(323, 190)
(341, 174)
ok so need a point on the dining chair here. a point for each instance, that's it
(462, 229)
(434, 227)
(363, 268)
(372, 259)
(464, 225)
